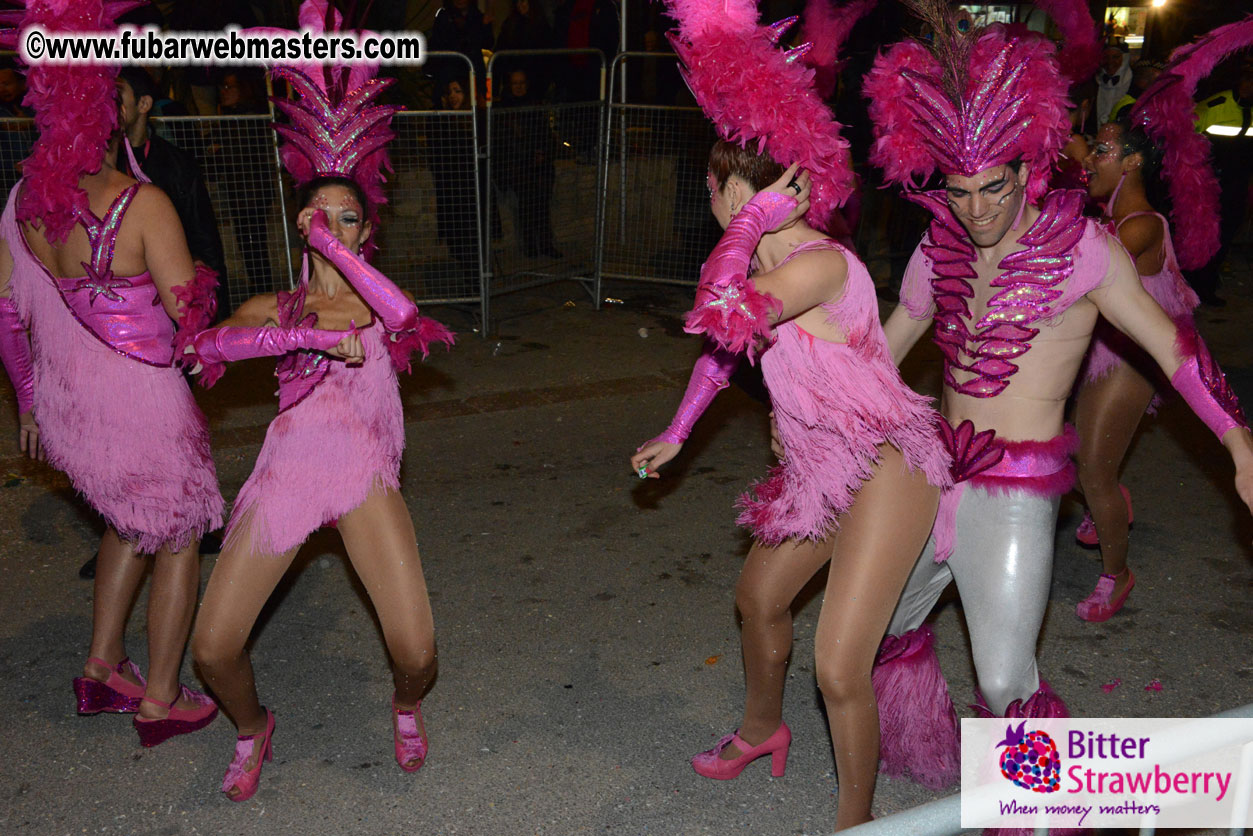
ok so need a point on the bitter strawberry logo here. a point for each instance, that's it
(1030, 759)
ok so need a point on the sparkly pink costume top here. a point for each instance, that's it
(123, 312)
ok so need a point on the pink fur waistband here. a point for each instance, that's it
(1042, 468)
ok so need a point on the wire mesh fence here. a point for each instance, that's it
(544, 168)
(656, 221)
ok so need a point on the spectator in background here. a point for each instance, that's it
(525, 28)
(581, 24)
(461, 27)
(1113, 80)
(15, 138)
(525, 150)
(1143, 74)
(12, 89)
(452, 166)
(1227, 119)
(247, 175)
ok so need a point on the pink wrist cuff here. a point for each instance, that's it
(16, 356)
(711, 374)
(1209, 397)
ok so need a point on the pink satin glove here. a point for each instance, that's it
(389, 302)
(710, 375)
(228, 344)
(15, 353)
(728, 309)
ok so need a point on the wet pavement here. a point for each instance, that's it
(587, 639)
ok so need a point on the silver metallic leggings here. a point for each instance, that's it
(1003, 563)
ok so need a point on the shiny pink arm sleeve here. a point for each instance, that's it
(15, 352)
(710, 375)
(728, 309)
(389, 302)
(227, 344)
(1204, 386)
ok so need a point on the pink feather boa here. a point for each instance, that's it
(753, 92)
(1166, 113)
(906, 150)
(402, 346)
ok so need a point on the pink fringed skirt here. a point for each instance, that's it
(1111, 348)
(129, 435)
(324, 455)
(834, 405)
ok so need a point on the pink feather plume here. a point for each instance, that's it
(825, 26)
(755, 92)
(1166, 113)
(1081, 44)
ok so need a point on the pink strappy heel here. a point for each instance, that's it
(409, 732)
(711, 765)
(116, 695)
(179, 721)
(247, 780)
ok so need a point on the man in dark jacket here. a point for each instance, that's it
(175, 172)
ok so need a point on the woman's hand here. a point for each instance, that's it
(652, 455)
(795, 184)
(28, 436)
(350, 350)
(305, 220)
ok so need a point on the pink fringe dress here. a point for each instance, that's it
(114, 413)
(834, 405)
(338, 436)
(1110, 347)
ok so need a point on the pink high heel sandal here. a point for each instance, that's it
(247, 780)
(711, 765)
(116, 695)
(409, 733)
(1086, 532)
(179, 720)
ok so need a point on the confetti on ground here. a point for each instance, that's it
(713, 660)
(1111, 685)
(1155, 685)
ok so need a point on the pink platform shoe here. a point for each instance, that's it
(246, 781)
(179, 720)
(116, 695)
(1086, 532)
(409, 733)
(1101, 605)
(711, 765)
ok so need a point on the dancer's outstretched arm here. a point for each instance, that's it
(15, 353)
(710, 375)
(1184, 358)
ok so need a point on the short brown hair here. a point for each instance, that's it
(758, 170)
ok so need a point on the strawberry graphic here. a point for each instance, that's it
(1030, 760)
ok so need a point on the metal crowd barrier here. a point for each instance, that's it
(656, 225)
(535, 232)
(942, 817)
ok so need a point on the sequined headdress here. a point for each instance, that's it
(75, 111)
(755, 92)
(1165, 111)
(335, 125)
(966, 102)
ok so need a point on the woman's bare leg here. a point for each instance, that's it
(382, 546)
(771, 579)
(877, 545)
(119, 573)
(1107, 413)
(171, 605)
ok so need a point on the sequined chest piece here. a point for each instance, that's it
(298, 371)
(1030, 283)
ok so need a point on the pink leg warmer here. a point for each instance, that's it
(917, 724)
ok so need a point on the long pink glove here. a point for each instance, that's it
(710, 375)
(15, 352)
(227, 344)
(384, 298)
(1204, 386)
(728, 309)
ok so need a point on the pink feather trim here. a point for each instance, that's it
(197, 305)
(1059, 449)
(1080, 42)
(1043, 703)
(918, 735)
(401, 346)
(754, 92)
(737, 327)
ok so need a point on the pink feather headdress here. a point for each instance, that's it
(336, 127)
(75, 111)
(1166, 113)
(825, 26)
(1080, 53)
(754, 92)
(967, 103)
